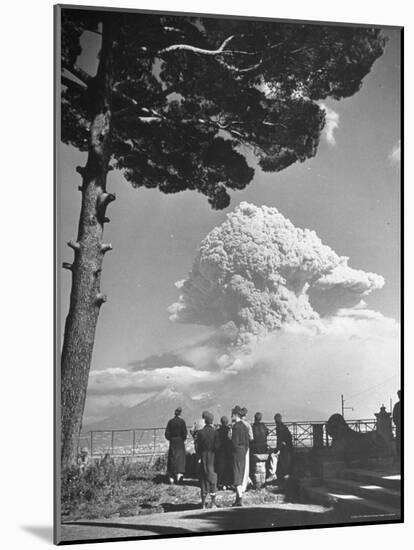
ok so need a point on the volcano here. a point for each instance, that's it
(155, 411)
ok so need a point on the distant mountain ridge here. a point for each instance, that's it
(155, 411)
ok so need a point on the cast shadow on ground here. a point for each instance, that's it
(218, 520)
(170, 507)
(157, 529)
(43, 532)
(230, 519)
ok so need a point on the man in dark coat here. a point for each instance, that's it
(240, 446)
(260, 433)
(197, 426)
(207, 445)
(284, 448)
(396, 417)
(176, 433)
(224, 467)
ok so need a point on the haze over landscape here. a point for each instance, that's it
(266, 313)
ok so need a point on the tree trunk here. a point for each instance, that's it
(86, 298)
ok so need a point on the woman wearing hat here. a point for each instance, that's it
(176, 433)
(260, 434)
(207, 444)
(224, 465)
(240, 447)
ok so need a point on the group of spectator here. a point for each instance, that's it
(223, 453)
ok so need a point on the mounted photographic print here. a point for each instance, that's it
(228, 274)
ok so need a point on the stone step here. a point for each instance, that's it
(371, 477)
(352, 506)
(370, 491)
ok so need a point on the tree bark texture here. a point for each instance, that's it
(86, 297)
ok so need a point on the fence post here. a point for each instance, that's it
(317, 436)
(91, 444)
(154, 444)
(112, 443)
(133, 442)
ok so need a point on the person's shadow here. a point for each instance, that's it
(43, 532)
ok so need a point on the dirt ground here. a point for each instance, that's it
(196, 521)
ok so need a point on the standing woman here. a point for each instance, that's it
(240, 447)
(176, 433)
(224, 455)
(208, 444)
(246, 477)
(260, 434)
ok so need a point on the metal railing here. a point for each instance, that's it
(144, 443)
(313, 433)
(150, 443)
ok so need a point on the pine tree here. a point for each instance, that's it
(173, 100)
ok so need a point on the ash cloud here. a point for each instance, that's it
(302, 369)
(257, 272)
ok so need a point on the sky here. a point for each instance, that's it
(349, 194)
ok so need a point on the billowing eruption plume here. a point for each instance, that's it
(257, 272)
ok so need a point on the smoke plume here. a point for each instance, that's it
(257, 272)
(294, 315)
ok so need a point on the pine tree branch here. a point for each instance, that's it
(79, 73)
(146, 115)
(172, 29)
(72, 83)
(215, 53)
(120, 95)
(134, 104)
(195, 49)
(226, 127)
(156, 117)
(207, 122)
(74, 245)
(245, 70)
(149, 119)
(220, 51)
(81, 85)
(105, 247)
(103, 202)
(100, 299)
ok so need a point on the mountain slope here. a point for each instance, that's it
(155, 412)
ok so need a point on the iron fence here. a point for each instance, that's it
(141, 443)
(149, 443)
(313, 433)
